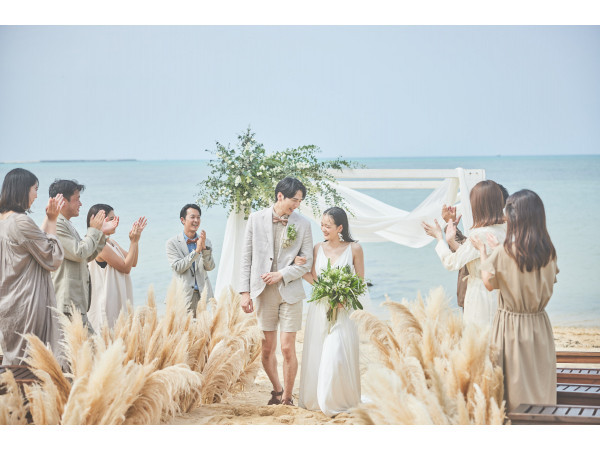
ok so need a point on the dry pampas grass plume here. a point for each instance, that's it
(433, 368)
(12, 409)
(144, 369)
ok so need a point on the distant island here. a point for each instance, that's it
(67, 161)
(84, 160)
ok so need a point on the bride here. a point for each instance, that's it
(330, 375)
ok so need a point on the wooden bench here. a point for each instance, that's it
(23, 375)
(555, 415)
(578, 394)
(574, 375)
(578, 357)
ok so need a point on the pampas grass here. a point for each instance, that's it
(143, 370)
(12, 409)
(433, 368)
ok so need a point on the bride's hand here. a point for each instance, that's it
(299, 260)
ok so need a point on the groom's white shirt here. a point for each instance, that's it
(257, 255)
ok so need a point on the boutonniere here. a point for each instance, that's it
(291, 234)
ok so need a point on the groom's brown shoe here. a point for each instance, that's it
(287, 401)
(274, 400)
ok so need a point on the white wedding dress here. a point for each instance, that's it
(330, 375)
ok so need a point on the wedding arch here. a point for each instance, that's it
(371, 220)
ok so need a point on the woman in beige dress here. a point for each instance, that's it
(524, 270)
(27, 255)
(487, 203)
(109, 272)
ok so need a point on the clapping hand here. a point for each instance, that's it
(477, 243)
(435, 231)
(97, 220)
(137, 228)
(109, 226)
(449, 214)
(451, 229)
(492, 240)
(55, 204)
(201, 242)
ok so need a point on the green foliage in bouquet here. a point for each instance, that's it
(243, 179)
(338, 286)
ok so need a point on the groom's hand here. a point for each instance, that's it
(247, 305)
(271, 277)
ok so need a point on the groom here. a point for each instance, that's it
(272, 284)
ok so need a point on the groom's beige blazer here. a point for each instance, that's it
(257, 256)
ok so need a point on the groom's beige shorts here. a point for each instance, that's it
(271, 310)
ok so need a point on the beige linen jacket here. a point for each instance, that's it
(257, 256)
(180, 260)
(72, 279)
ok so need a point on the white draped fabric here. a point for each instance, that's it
(372, 221)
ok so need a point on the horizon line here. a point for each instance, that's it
(53, 161)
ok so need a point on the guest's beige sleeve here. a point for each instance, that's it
(490, 265)
(45, 248)
(207, 259)
(77, 250)
(178, 263)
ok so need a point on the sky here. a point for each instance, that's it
(171, 92)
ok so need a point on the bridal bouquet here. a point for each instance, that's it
(338, 286)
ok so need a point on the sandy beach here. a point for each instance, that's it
(249, 407)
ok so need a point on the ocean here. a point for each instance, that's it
(568, 185)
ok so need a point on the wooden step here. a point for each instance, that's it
(560, 414)
(577, 375)
(578, 357)
(578, 394)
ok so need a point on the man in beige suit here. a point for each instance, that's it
(269, 278)
(190, 256)
(72, 279)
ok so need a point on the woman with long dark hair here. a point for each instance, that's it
(486, 203)
(330, 375)
(524, 271)
(109, 272)
(27, 255)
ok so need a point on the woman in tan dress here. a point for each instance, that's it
(27, 255)
(524, 270)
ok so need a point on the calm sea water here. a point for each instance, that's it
(568, 185)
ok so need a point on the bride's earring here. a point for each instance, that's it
(341, 237)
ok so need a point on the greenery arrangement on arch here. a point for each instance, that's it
(243, 178)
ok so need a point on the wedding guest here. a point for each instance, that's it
(190, 256)
(109, 272)
(27, 255)
(72, 279)
(486, 203)
(274, 237)
(449, 214)
(524, 271)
